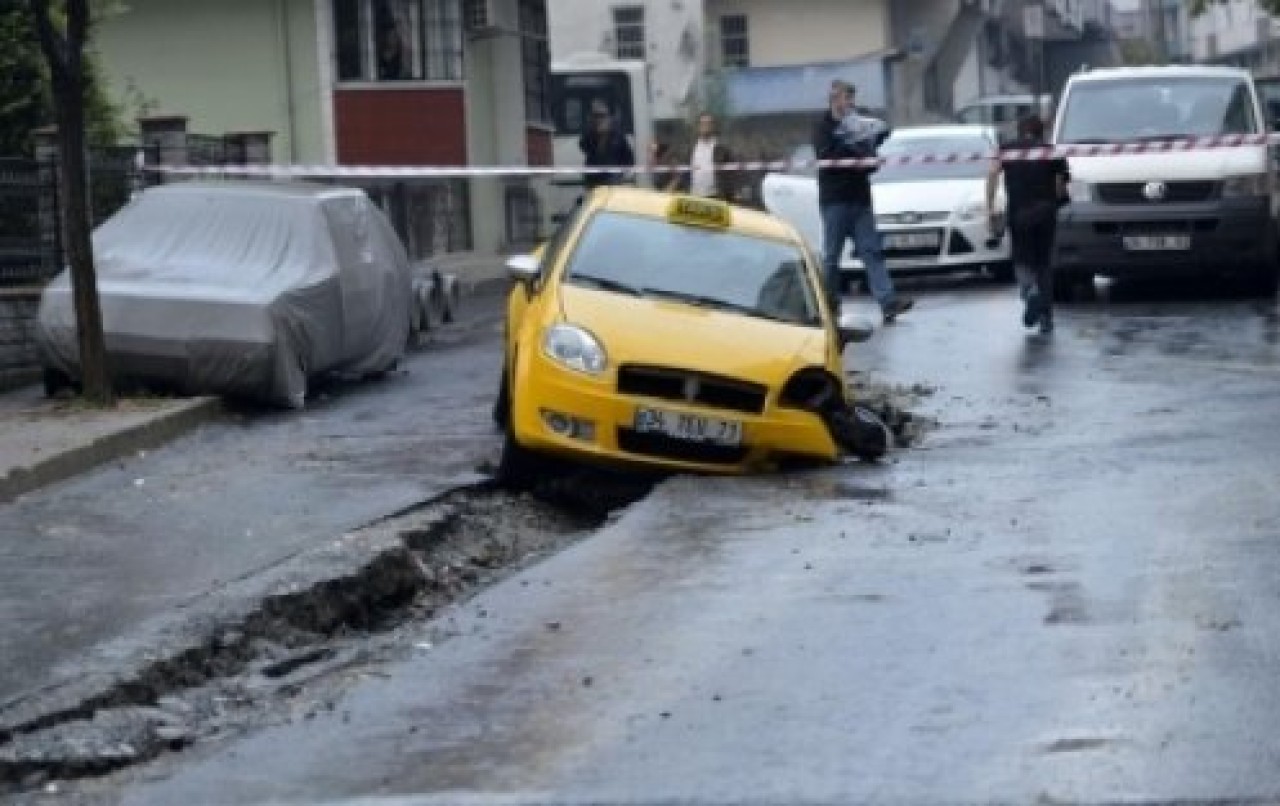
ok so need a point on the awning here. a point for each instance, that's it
(803, 88)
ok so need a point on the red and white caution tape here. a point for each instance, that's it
(1041, 153)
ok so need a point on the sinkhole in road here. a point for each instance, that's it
(230, 677)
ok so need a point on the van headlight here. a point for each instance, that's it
(1246, 185)
(1080, 190)
(575, 348)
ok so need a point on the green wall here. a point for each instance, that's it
(222, 65)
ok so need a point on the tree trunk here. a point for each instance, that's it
(65, 54)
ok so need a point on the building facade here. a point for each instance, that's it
(358, 82)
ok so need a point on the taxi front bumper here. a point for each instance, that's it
(565, 413)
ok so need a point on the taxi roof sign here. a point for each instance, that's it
(700, 212)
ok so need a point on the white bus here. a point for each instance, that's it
(578, 82)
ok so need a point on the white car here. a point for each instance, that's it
(932, 217)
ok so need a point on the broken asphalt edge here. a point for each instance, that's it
(320, 589)
(146, 435)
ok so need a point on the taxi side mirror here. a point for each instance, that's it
(523, 267)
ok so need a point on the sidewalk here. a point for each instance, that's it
(45, 441)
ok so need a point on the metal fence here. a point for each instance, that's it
(30, 239)
(31, 243)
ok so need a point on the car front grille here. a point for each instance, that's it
(1174, 192)
(703, 389)
(663, 447)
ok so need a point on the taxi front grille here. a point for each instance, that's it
(712, 391)
(664, 447)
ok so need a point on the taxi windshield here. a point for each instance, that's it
(710, 268)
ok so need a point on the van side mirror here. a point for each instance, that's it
(523, 267)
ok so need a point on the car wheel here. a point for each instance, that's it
(1266, 280)
(860, 431)
(502, 404)
(519, 469)
(1002, 272)
(55, 381)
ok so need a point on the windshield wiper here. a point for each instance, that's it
(701, 301)
(606, 284)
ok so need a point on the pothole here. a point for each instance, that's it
(444, 552)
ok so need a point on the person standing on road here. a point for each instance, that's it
(1034, 190)
(603, 145)
(709, 152)
(844, 200)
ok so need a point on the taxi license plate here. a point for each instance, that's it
(689, 427)
(1157, 243)
(912, 240)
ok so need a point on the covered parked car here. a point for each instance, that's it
(241, 288)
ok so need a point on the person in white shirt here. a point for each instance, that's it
(704, 176)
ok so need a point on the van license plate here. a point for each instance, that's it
(689, 427)
(1157, 243)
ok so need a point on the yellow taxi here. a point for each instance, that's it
(668, 332)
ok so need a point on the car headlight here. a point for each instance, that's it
(1236, 187)
(575, 348)
(970, 211)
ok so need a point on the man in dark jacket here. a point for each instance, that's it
(1034, 190)
(604, 145)
(844, 199)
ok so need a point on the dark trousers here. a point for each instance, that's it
(1033, 257)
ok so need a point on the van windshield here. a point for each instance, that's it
(1156, 109)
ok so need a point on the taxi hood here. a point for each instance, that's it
(666, 333)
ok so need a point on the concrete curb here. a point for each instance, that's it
(143, 436)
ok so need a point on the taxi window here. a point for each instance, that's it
(714, 268)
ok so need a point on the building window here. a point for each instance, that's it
(735, 44)
(536, 61)
(628, 32)
(398, 40)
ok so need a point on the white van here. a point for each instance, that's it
(1204, 211)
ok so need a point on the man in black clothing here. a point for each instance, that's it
(603, 145)
(1034, 190)
(844, 201)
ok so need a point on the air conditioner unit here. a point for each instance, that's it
(479, 16)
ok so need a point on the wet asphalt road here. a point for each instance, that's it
(87, 564)
(1069, 593)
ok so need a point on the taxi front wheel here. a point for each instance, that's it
(518, 468)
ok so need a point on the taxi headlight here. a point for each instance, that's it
(1246, 185)
(970, 211)
(574, 348)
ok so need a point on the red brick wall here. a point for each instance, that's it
(538, 146)
(412, 126)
